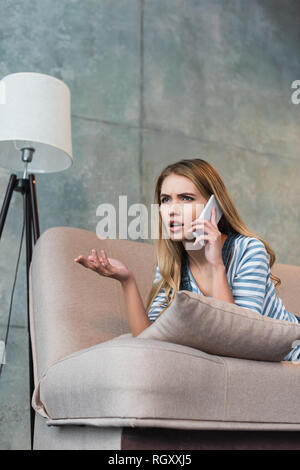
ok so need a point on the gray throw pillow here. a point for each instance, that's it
(224, 329)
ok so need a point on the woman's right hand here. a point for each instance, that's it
(104, 266)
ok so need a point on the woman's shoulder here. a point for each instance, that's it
(249, 248)
(246, 243)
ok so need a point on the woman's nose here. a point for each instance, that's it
(174, 209)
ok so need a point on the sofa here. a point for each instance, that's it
(98, 387)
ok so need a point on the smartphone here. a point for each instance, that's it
(206, 215)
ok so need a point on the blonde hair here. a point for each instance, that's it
(169, 253)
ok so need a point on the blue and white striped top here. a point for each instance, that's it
(248, 276)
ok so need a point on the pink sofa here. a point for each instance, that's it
(97, 387)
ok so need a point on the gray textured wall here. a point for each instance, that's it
(152, 82)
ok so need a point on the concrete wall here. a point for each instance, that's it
(153, 81)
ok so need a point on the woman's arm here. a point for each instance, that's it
(220, 286)
(138, 319)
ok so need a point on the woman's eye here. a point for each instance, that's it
(166, 197)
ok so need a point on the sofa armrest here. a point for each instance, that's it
(71, 307)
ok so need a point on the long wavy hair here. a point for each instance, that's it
(169, 253)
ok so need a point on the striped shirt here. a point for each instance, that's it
(248, 276)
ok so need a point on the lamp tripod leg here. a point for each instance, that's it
(5, 206)
(32, 228)
(34, 208)
(28, 231)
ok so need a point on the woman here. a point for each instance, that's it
(233, 265)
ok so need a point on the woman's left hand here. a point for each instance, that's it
(212, 237)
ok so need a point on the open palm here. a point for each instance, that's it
(109, 267)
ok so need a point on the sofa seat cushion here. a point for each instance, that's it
(142, 379)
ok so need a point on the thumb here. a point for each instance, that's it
(214, 215)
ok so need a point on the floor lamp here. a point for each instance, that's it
(35, 137)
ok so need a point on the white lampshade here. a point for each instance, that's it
(35, 111)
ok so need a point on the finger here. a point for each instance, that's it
(78, 259)
(214, 216)
(87, 264)
(202, 237)
(202, 227)
(105, 259)
(95, 257)
(92, 261)
(99, 262)
(200, 222)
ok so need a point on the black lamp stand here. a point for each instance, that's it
(26, 186)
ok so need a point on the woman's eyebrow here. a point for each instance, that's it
(180, 194)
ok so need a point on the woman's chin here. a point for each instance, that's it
(180, 235)
(177, 234)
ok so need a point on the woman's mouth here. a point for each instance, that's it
(175, 227)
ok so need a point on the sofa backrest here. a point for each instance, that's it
(289, 290)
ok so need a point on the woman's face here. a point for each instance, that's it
(181, 202)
